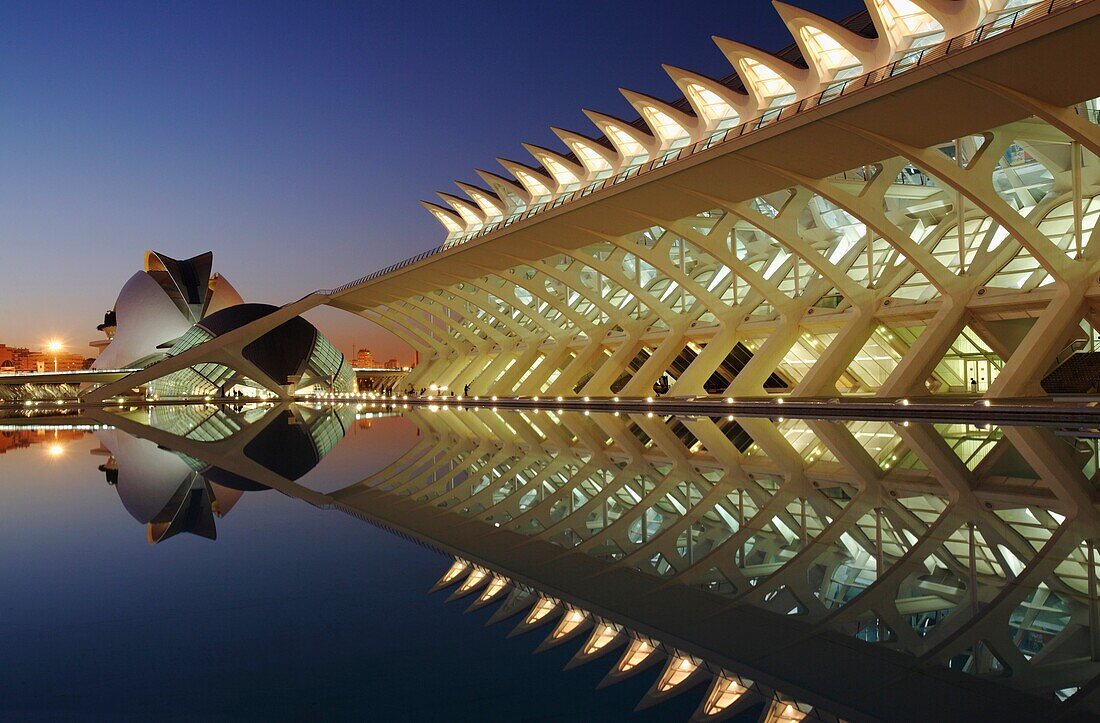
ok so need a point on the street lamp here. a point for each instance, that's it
(54, 346)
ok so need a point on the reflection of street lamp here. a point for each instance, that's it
(54, 346)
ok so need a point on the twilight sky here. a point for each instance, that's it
(294, 140)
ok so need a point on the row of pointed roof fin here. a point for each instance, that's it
(726, 692)
(824, 53)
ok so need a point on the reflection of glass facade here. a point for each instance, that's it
(696, 543)
(855, 527)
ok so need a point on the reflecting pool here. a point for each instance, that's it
(275, 561)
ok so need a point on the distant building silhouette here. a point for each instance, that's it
(22, 359)
(364, 359)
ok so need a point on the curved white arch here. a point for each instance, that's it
(539, 187)
(671, 127)
(450, 220)
(491, 206)
(715, 105)
(772, 82)
(597, 159)
(566, 174)
(633, 145)
(512, 194)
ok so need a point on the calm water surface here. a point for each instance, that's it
(274, 562)
(292, 612)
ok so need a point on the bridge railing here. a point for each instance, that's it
(914, 58)
(17, 375)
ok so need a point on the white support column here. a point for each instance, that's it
(584, 362)
(767, 358)
(1024, 371)
(822, 376)
(692, 381)
(927, 351)
(555, 356)
(508, 381)
(614, 367)
(641, 384)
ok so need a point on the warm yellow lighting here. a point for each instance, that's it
(54, 346)
(726, 691)
(635, 655)
(601, 637)
(678, 670)
(55, 450)
(711, 104)
(663, 125)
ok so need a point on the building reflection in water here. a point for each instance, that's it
(805, 565)
(172, 492)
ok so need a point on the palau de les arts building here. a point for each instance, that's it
(171, 306)
(900, 203)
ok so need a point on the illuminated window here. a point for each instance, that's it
(448, 223)
(592, 160)
(830, 55)
(628, 145)
(559, 171)
(724, 693)
(667, 130)
(635, 655)
(466, 213)
(717, 112)
(907, 23)
(679, 669)
(532, 183)
(600, 639)
(772, 88)
(487, 205)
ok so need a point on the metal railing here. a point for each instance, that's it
(913, 59)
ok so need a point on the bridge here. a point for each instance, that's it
(48, 386)
(380, 379)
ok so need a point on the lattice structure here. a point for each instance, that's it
(966, 547)
(878, 209)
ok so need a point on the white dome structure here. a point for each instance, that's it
(159, 304)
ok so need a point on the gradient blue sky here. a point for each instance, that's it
(294, 140)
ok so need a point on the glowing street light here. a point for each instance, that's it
(54, 347)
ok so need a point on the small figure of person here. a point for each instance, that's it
(973, 385)
(466, 390)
